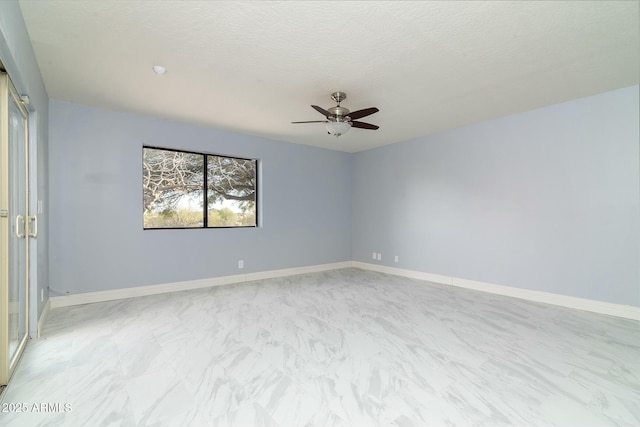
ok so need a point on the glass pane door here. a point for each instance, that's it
(18, 238)
(14, 218)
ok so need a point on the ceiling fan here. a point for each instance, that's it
(339, 119)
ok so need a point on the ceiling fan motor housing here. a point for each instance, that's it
(338, 113)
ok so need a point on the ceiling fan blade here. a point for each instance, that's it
(311, 121)
(321, 111)
(363, 113)
(363, 125)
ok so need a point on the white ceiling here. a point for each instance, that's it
(254, 66)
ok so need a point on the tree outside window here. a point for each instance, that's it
(178, 185)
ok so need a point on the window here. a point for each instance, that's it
(194, 190)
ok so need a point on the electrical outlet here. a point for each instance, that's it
(241, 264)
(374, 255)
(396, 258)
(379, 256)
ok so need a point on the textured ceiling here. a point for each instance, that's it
(253, 67)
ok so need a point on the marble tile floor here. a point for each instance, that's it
(339, 348)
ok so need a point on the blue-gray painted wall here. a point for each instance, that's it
(97, 239)
(547, 200)
(19, 59)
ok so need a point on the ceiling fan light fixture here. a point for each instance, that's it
(338, 128)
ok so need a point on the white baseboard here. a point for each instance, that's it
(116, 294)
(618, 310)
(43, 318)
(404, 273)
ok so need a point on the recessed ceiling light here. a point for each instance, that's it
(159, 70)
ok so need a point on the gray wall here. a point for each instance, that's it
(18, 58)
(97, 240)
(547, 200)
